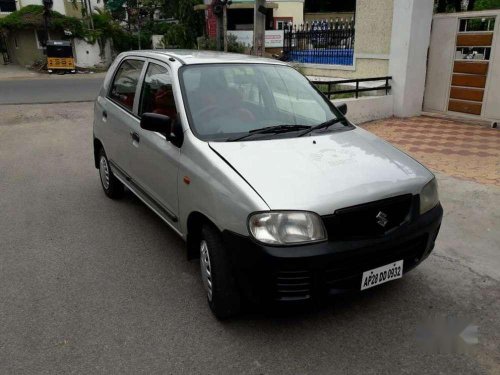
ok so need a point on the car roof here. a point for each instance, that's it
(187, 57)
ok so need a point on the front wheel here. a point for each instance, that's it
(112, 187)
(222, 295)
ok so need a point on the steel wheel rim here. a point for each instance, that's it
(104, 172)
(206, 269)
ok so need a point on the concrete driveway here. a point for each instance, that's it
(94, 286)
(459, 149)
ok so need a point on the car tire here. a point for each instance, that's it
(216, 273)
(112, 187)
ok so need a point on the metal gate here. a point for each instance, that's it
(463, 72)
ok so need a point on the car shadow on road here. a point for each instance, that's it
(386, 304)
(337, 305)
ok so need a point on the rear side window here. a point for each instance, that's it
(157, 94)
(125, 82)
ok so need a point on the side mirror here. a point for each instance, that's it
(176, 135)
(156, 123)
(342, 108)
(163, 124)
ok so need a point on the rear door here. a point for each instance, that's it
(120, 114)
(156, 160)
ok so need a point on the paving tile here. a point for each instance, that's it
(453, 147)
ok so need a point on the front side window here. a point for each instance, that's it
(125, 83)
(228, 100)
(157, 95)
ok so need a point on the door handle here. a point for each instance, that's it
(104, 114)
(135, 136)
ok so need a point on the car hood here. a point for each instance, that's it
(324, 172)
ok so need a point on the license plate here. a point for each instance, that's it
(382, 274)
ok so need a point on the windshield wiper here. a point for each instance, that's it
(325, 124)
(276, 129)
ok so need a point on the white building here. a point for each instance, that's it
(24, 46)
(64, 7)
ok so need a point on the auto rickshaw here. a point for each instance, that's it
(60, 56)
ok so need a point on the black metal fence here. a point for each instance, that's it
(330, 88)
(320, 42)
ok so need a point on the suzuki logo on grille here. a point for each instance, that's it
(382, 219)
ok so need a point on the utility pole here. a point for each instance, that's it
(139, 32)
(127, 14)
(259, 27)
(47, 6)
(219, 34)
(89, 9)
(87, 13)
(219, 8)
(139, 25)
(224, 26)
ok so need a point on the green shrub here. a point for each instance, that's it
(486, 4)
(205, 43)
(31, 16)
(233, 45)
(178, 36)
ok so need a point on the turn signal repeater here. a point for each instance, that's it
(186, 180)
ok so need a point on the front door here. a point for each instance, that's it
(155, 160)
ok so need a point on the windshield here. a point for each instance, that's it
(225, 101)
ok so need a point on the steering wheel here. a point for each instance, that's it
(245, 114)
(214, 111)
(210, 112)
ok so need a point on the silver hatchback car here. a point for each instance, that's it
(275, 191)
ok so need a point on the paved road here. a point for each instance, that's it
(94, 286)
(52, 89)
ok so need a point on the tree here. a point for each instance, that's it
(115, 5)
(471, 4)
(190, 23)
(183, 10)
(441, 6)
(486, 4)
(444, 6)
(31, 17)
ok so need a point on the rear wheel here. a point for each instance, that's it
(222, 295)
(110, 184)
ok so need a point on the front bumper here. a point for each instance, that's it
(299, 273)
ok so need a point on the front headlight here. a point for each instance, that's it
(286, 227)
(429, 197)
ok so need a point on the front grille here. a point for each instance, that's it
(346, 271)
(364, 221)
(293, 285)
(301, 281)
